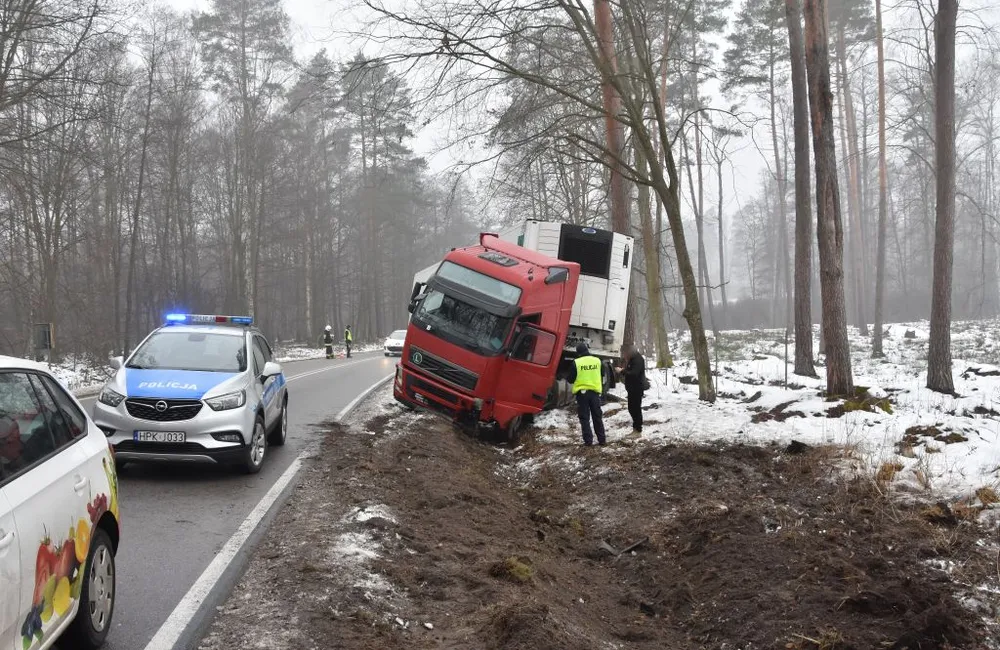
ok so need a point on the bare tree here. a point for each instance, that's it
(883, 189)
(939, 371)
(839, 380)
(803, 213)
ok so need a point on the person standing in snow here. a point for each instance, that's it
(348, 339)
(328, 341)
(587, 377)
(634, 377)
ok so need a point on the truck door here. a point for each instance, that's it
(527, 374)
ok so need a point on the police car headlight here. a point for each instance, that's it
(227, 401)
(110, 397)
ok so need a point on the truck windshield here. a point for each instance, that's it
(461, 323)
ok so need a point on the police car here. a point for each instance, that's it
(200, 389)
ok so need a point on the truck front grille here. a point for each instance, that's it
(444, 370)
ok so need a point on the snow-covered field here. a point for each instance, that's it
(913, 440)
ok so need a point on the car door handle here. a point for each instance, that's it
(6, 540)
(81, 484)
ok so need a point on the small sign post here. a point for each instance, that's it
(43, 341)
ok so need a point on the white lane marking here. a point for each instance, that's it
(360, 398)
(327, 369)
(188, 607)
(172, 629)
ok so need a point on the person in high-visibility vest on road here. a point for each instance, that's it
(587, 376)
(348, 339)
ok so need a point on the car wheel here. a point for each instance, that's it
(257, 448)
(280, 433)
(97, 597)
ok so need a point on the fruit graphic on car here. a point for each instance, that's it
(59, 571)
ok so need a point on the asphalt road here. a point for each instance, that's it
(176, 518)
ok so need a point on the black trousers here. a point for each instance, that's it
(635, 408)
(329, 351)
(348, 346)
(589, 406)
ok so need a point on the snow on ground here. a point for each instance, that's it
(941, 445)
(285, 352)
(930, 443)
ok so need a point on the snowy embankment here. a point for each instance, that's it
(905, 436)
(284, 353)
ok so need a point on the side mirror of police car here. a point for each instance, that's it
(270, 370)
(116, 362)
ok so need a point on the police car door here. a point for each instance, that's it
(268, 387)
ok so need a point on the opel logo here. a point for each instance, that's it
(161, 406)
(417, 358)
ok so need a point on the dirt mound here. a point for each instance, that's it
(731, 547)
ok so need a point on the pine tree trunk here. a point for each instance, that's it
(803, 213)
(722, 256)
(939, 375)
(883, 189)
(839, 380)
(654, 287)
(853, 188)
(781, 260)
(615, 137)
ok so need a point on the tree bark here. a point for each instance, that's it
(803, 213)
(853, 188)
(722, 254)
(619, 194)
(883, 188)
(939, 375)
(654, 287)
(839, 380)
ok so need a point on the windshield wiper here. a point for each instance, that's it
(136, 366)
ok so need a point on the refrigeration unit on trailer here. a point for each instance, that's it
(605, 260)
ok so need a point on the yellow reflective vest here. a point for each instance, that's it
(347, 336)
(588, 374)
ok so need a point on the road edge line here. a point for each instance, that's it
(188, 620)
(344, 412)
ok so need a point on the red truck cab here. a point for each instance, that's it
(486, 334)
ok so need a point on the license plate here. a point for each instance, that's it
(159, 436)
(420, 398)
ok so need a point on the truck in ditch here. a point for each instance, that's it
(494, 327)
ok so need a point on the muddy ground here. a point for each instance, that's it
(420, 537)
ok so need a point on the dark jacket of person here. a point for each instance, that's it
(634, 373)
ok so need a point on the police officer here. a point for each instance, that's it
(587, 377)
(328, 341)
(348, 339)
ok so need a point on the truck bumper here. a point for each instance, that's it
(419, 391)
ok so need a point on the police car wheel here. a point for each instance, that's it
(280, 433)
(257, 449)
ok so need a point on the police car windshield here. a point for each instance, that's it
(398, 335)
(199, 351)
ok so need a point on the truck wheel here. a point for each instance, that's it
(513, 431)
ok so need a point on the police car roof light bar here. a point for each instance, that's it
(215, 319)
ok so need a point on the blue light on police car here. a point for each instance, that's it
(242, 320)
(176, 318)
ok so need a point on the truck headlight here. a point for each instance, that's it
(110, 397)
(227, 401)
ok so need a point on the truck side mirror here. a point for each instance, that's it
(417, 288)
